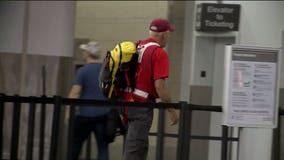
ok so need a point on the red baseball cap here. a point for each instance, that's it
(161, 25)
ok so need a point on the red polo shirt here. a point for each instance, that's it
(154, 65)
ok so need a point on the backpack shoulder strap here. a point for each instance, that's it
(142, 48)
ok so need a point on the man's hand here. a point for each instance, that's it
(74, 93)
(67, 113)
(173, 116)
(163, 92)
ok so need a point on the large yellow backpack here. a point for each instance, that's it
(118, 70)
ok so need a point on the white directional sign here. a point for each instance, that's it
(251, 86)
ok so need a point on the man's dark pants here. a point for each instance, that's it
(82, 129)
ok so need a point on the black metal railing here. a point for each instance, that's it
(184, 135)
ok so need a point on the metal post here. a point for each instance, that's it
(1, 122)
(277, 134)
(42, 129)
(42, 116)
(180, 132)
(43, 71)
(88, 148)
(184, 136)
(224, 147)
(31, 126)
(160, 135)
(15, 131)
(55, 127)
(70, 131)
(187, 130)
(124, 141)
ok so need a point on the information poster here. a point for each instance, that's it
(251, 98)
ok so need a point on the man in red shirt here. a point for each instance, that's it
(151, 74)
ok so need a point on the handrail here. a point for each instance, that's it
(109, 103)
(184, 135)
(105, 103)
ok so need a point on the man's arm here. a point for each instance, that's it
(164, 95)
(74, 93)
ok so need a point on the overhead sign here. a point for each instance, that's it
(251, 86)
(217, 17)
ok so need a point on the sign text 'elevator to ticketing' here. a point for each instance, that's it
(217, 17)
(251, 86)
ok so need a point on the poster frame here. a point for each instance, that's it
(227, 85)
